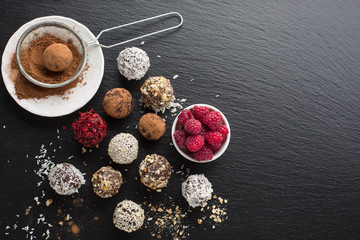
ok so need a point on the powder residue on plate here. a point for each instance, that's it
(24, 89)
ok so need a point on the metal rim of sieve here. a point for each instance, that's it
(49, 24)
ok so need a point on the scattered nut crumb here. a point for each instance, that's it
(48, 202)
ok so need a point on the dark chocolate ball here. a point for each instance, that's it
(106, 182)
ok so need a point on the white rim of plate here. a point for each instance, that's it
(55, 106)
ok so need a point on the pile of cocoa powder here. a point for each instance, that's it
(32, 62)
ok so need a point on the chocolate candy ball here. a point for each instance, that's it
(106, 182)
(128, 216)
(65, 179)
(133, 63)
(151, 126)
(118, 103)
(57, 57)
(196, 190)
(155, 171)
(157, 93)
(123, 148)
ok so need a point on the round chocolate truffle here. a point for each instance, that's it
(123, 148)
(151, 126)
(57, 57)
(133, 63)
(118, 103)
(65, 179)
(106, 182)
(128, 216)
(90, 129)
(196, 190)
(157, 93)
(155, 171)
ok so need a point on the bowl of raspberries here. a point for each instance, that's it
(201, 133)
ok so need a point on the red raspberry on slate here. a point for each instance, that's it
(89, 129)
(184, 116)
(213, 120)
(194, 142)
(192, 126)
(205, 153)
(180, 137)
(213, 138)
(224, 131)
(199, 112)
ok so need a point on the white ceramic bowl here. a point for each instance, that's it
(187, 154)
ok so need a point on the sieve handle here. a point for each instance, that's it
(94, 42)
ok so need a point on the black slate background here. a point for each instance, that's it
(287, 76)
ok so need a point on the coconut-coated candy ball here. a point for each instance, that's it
(128, 216)
(196, 190)
(123, 148)
(65, 179)
(133, 63)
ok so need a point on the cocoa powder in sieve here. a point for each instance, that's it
(32, 62)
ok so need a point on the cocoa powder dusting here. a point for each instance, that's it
(32, 60)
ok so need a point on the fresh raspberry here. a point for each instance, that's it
(200, 112)
(180, 137)
(184, 116)
(213, 120)
(194, 142)
(215, 147)
(204, 130)
(224, 131)
(205, 153)
(192, 126)
(213, 138)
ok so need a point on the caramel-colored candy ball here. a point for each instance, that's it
(118, 103)
(151, 126)
(57, 57)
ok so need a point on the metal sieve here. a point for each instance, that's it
(65, 33)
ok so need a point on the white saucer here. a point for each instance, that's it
(54, 106)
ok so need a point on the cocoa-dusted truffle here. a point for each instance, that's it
(123, 148)
(89, 129)
(133, 63)
(157, 93)
(106, 182)
(151, 126)
(196, 190)
(57, 57)
(118, 103)
(155, 171)
(65, 179)
(128, 216)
